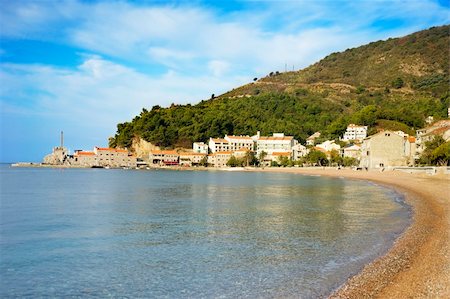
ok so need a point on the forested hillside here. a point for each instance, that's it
(393, 84)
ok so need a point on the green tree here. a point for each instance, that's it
(335, 158)
(428, 155)
(274, 164)
(204, 161)
(349, 161)
(249, 158)
(283, 161)
(441, 155)
(261, 157)
(316, 157)
(398, 83)
(234, 162)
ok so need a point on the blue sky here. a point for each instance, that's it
(84, 66)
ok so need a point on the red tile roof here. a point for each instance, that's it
(281, 154)
(105, 149)
(219, 140)
(81, 153)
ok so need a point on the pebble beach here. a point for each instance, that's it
(418, 265)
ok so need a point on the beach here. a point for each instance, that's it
(418, 264)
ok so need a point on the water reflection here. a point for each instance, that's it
(192, 234)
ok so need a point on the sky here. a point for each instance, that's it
(82, 67)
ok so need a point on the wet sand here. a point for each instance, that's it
(418, 264)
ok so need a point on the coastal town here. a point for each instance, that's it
(382, 150)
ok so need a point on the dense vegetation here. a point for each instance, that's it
(393, 84)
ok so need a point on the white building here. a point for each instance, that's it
(299, 151)
(200, 147)
(355, 132)
(310, 139)
(240, 142)
(440, 128)
(329, 145)
(352, 151)
(218, 145)
(276, 143)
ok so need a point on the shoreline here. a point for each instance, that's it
(418, 263)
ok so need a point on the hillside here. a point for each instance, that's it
(395, 83)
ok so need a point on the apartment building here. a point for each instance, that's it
(355, 132)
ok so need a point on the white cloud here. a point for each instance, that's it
(218, 67)
(101, 91)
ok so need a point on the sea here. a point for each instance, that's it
(98, 233)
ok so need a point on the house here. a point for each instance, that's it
(276, 143)
(165, 157)
(85, 159)
(200, 147)
(440, 128)
(329, 145)
(355, 132)
(103, 157)
(219, 159)
(299, 151)
(191, 159)
(240, 142)
(311, 139)
(218, 145)
(111, 157)
(352, 151)
(386, 149)
(277, 156)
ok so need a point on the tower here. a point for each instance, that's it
(62, 139)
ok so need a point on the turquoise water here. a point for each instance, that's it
(179, 234)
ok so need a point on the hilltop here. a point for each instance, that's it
(392, 84)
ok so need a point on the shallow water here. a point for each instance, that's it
(172, 234)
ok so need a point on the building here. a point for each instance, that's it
(191, 159)
(240, 142)
(200, 147)
(103, 157)
(111, 157)
(277, 156)
(218, 145)
(219, 159)
(355, 132)
(161, 158)
(85, 159)
(299, 151)
(440, 128)
(352, 151)
(311, 139)
(59, 155)
(386, 149)
(329, 145)
(276, 143)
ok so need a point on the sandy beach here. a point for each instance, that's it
(418, 265)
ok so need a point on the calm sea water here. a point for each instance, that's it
(128, 233)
